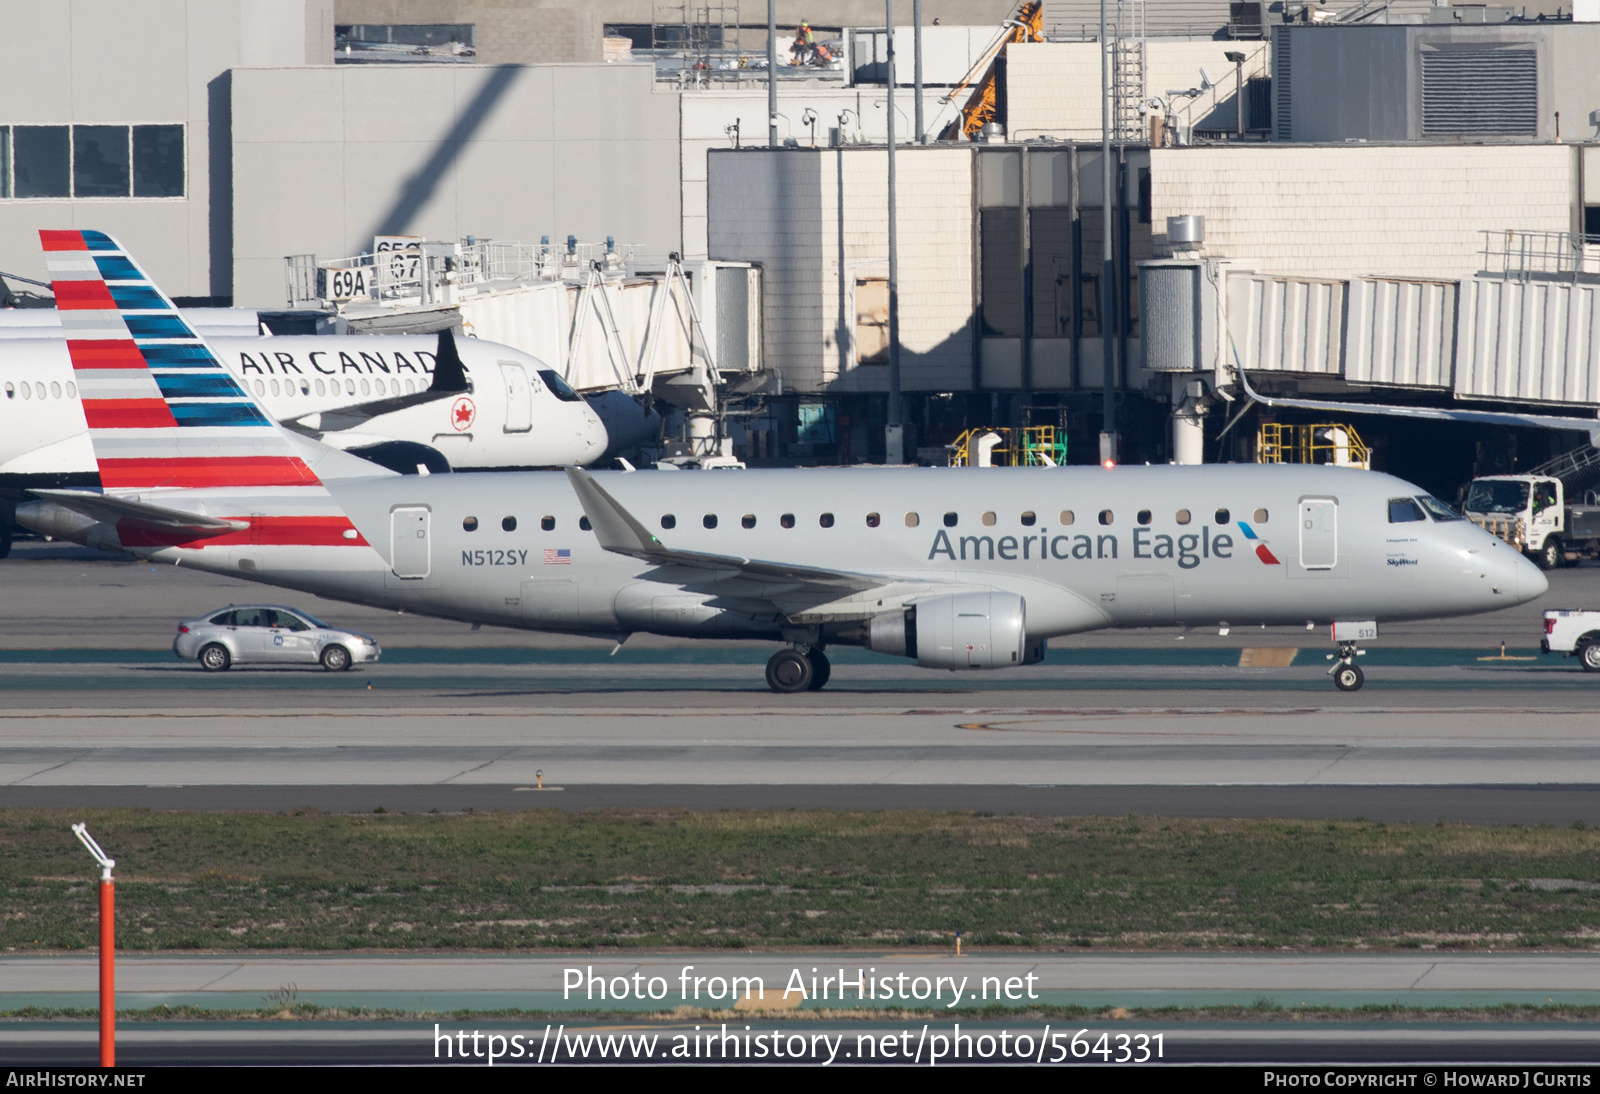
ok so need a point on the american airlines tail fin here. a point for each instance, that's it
(162, 411)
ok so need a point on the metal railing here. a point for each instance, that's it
(1503, 526)
(1523, 255)
(420, 274)
(1322, 443)
(1031, 446)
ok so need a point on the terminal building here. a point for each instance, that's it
(1396, 199)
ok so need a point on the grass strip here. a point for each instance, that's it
(655, 879)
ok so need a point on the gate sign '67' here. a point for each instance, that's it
(343, 284)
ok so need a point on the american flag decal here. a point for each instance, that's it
(557, 556)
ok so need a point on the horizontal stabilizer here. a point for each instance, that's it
(114, 510)
(621, 533)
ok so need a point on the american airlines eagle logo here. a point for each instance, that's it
(463, 414)
(1262, 553)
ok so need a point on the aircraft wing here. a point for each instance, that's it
(114, 510)
(449, 378)
(621, 533)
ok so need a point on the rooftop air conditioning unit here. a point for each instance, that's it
(1247, 19)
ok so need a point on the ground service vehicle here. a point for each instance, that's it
(1575, 634)
(1531, 512)
(270, 634)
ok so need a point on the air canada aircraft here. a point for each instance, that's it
(480, 405)
(955, 568)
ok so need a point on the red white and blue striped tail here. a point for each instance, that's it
(162, 411)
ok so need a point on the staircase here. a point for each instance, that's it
(1127, 73)
(1577, 470)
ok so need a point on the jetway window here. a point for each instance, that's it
(873, 520)
(92, 161)
(1029, 518)
(41, 161)
(1404, 511)
(547, 524)
(668, 520)
(469, 524)
(158, 161)
(405, 43)
(912, 520)
(509, 524)
(1182, 516)
(1221, 516)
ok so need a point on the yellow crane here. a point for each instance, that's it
(983, 79)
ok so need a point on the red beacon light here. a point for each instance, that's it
(1109, 464)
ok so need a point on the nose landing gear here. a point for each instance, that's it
(798, 668)
(1346, 673)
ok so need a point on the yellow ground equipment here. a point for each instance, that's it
(983, 79)
(1325, 442)
(1034, 446)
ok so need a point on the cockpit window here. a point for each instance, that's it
(1437, 509)
(1404, 510)
(1497, 496)
(558, 387)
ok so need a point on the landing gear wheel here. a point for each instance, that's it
(821, 669)
(215, 658)
(1589, 657)
(1550, 555)
(790, 671)
(335, 658)
(1348, 678)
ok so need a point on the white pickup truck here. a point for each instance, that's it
(1575, 634)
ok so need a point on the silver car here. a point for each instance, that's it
(269, 634)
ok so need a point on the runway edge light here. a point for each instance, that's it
(108, 947)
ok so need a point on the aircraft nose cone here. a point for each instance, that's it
(1525, 581)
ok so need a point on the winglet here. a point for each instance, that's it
(616, 528)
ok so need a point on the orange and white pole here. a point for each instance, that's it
(108, 947)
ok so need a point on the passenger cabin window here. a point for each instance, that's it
(709, 520)
(988, 520)
(748, 520)
(510, 524)
(950, 520)
(546, 523)
(584, 525)
(1106, 516)
(1182, 516)
(668, 520)
(469, 524)
(912, 520)
(1404, 511)
(786, 521)
(1222, 516)
(826, 520)
(1144, 516)
(1029, 518)
(873, 520)
(1261, 516)
(1067, 518)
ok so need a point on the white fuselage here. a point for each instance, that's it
(510, 419)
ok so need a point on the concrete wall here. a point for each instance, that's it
(1053, 88)
(816, 221)
(1353, 211)
(326, 158)
(157, 61)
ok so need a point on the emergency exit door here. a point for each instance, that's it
(1319, 533)
(519, 398)
(410, 547)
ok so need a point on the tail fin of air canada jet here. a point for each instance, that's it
(166, 418)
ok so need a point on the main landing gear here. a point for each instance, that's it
(1345, 672)
(798, 668)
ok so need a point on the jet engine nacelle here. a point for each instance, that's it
(961, 631)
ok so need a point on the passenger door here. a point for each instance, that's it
(1319, 533)
(250, 635)
(519, 398)
(410, 535)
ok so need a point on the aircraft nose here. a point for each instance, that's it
(1525, 581)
